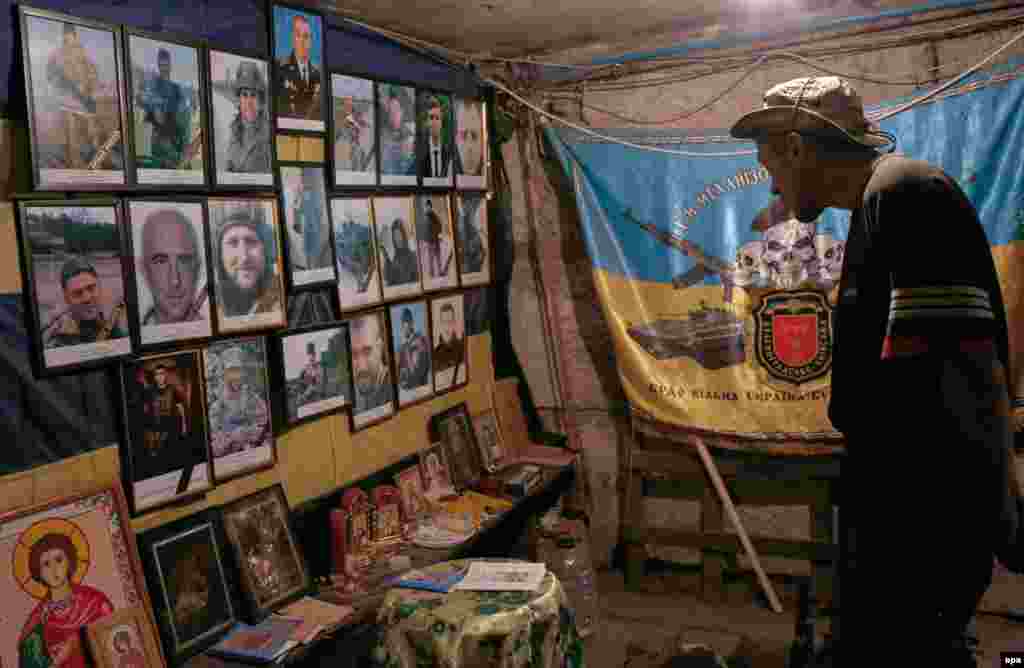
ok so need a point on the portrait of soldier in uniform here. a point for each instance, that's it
(241, 130)
(170, 259)
(437, 141)
(449, 342)
(396, 111)
(436, 242)
(396, 246)
(470, 144)
(298, 46)
(168, 112)
(77, 282)
(316, 371)
(412, 351)
(167, 435)
(306, 221)
(355, 131)
(371, 369)
(75, 102)
(475, 266)
(247, 264)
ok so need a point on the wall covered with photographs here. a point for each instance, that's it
(364, 132)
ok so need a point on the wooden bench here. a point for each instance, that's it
(753, 479)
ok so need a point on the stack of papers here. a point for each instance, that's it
(431, 535)
(315, 617)
(502, 576)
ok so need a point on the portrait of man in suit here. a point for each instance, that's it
(299, 100)
(436, 144)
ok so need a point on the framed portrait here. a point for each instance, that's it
(317, 376)
(436, 242)
(488, 438)
(77, 287)
(65, 565)
(76, 113)
(167, 111)
(436, 472)
(272, 569)
(451, 361)
(454, 430)
(355, 131)
(355, 253)
(396, 132)
(241, 137)
(164, 455)
(245, 251)
(192, 593)
(373, 394)
(307, 222)
(359, 530)
(172, 285)
(238, 407)
(436, 145)
(410, 339)
(410, 486)
(125, 639)
(387, 522)
(299, 75)
(474, 240)
(470, 144)
(396, 246)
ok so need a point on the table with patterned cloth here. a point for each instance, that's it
(478, 629)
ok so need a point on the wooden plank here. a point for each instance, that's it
(821, 532)
(667, 463)
(713, 565)
(634, 533)
(730, 543)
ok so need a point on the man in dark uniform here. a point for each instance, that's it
(413, 356)
(450, 350)
(249, 146)
(166, 108)
(929, 484)
(83, 321)
(298, 80)
(400, 268)
(474, 253)
(312, 376)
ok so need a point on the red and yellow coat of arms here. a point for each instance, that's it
(793, 335)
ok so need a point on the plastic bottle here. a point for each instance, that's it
(570, 563)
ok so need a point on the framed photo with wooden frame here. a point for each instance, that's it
(246, 254)
(300, 78)
(125, 639)
(450, 354)
(66, 564)
(165, 455)
(192, 589)
(167, 111)
(238, 407)
(488, 437)
(354, 120)
(471, 227)
(355, 253)
(77, 283)
(316, 371)
(396, 134)
(454, 430)
(271, 567)
(74, 76)
(307, 222)
(410, 485)
(471, 144)
(410, 339)
(397, 250)
(436, 471)
(241, 121)
(373, 392)
(436, 241)
(167, 242)
(436, 157)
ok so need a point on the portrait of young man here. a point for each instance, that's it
(411, 343)
(355, 131)
(170, 260)
(436, 142)
(470, 144)
(355, 253)
(298, 48)
(75, 102)
(397, 247)
(247, 264)
(373, 396)
(168, 112)
(436, 242)
(449, 342)
(474, 267)
(396, 111)
(241, 120)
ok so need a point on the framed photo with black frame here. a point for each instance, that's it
(193, 589)
(74, 80)
(410, 339)
(355, 253)
(436, 156)
(307, 223)
(475, 256)
(272, 569)
(397, 250)
(373, 391)
(450, 354)
(300, 78)
(471, 144)
(247, 267)
(167, 111)
(454, 430)
(436, 242)
(353, 148)
(238, 407)
(78, 286)
(241, 121)
(316, 372)
(165, 452)
(167, 245)
(396, 134)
